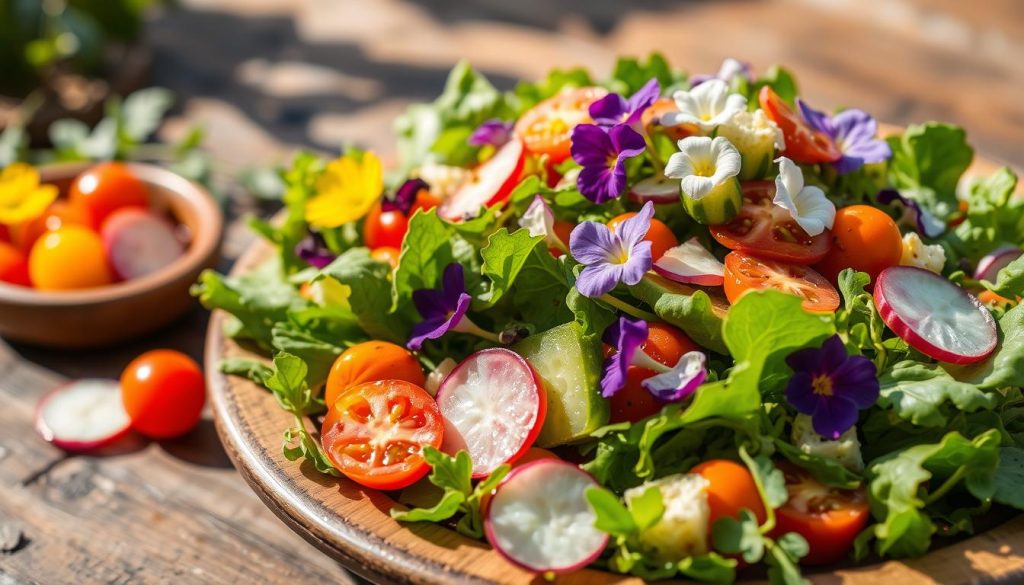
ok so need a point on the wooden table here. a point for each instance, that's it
(268, 75)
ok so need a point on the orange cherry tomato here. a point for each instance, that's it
(59, 214)
(651, 119)
(659, 235)
(828, 518)
(386, 254)
(731, 489)
(13, 266)
(803, 143)
(105, 188)
(666, 344)
(368, 362)
(743, 273)
(864, 238)
(546, 127)
(425, 200)
(384, 228)
(69, 258)
(163, 392)
(375, 433)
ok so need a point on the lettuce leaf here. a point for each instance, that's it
(927, 395)
(927, 163)
(690, 309)
(994, 218)
(1005, 367)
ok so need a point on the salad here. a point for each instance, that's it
(659, 324)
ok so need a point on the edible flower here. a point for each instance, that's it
(314, 251)
(730, 69)
(613, 109)
(444, 310)
(602, 155)
(405, 196)
(706, 106)
(345, 191)
(702, 164)
(612, 256)
(539, 220)
(808, 205)
(681, 380)
(830, 386)
(493, 132)
(854, 132)
(914, 214)
(625, 336)
(21, 196)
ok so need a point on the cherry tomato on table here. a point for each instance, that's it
(731, 488)
(803, 143)
(769, 231)
(547, 127)
(828, 518)
(105, 188)
(864, 238)
(163, 392)
(743, 273)
(71, 257)
(368, 362)
(59, 214)
(375, 433)
(13, 266)
(665, 344)
(659, 235)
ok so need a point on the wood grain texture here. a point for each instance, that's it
(352, 524)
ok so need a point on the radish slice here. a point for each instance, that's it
(539, 518)
(657, 189)
(935, 316)
(490, 184)
(691, 263)
(493, 406)
(83, 415)
(139, 243)
(989, 266)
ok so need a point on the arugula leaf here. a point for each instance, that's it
(612, 515)
(1005, 367)
(739, 536)
(927, 163)
(924, 394)
(504, 257)
(782, 560)
(648, 508)
(631, 73)
(426, 251)
(287, 382)
(690, 309)
(1010, 477)
(370, 298)
(592, 316)
(300, 181)
(541, 289)
(318, 354)
(254, 370)
(827, 471)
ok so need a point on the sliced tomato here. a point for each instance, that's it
(375, 433)
(491, 183)
(546, 127)
(803, 143)
(828, 518)
(768, 230)
(743, 273)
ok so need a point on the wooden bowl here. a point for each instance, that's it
(351, 524)
(111, 314)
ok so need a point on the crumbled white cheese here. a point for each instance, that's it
(917, 253)
(845, 450)
(757, 138)
(683, 528)
(444, 180)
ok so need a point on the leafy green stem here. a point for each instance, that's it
(629, 309)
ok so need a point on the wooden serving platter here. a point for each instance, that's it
(352, 524)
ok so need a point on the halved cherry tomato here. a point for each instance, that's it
(387, 254)
(651, 119)
(375, 433)
(546, 127)
(490, 183)
(59, 214)
(13, 266)
(731, 489)
(384, 228)
(743, 273)
(768, 230)
(864, 238)
(163, 392)
(803, 143)
(105, 188)
(368, 362)
(665, 344)
(72, 257)
(659, 235)
(563, 230)
(828, 518)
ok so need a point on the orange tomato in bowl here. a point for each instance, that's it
(69, 258)
(58, 215)
(368, 362)
(105, 188)
(864, 238)
(13, 266)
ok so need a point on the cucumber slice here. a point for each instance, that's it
(570, 368)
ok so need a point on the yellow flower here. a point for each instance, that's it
(21, 196)
(346, 191)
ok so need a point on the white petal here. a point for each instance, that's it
(678, 166)
(711, 95)
(727, 160)
(686, 375)
(697, 187)
(782, 197)
(790, 178)
(813, 203)
(538, 219)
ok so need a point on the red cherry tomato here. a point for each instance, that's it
(384, 228)
(659, 235)
(828, 518)
(58, 215)
(803, 143)
(547, 127)
(375, 433)
(731, 489)
(490, 183)
(105, 188)
(743, 273)
(163, 393)
(665, 344)
(769, 231)
(13, 266)
(72, 257)
(864, 238)
(368, 362)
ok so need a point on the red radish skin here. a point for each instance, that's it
(897, 304)
(96, 405)
(989, 266)
(491, 183)
(501, 428)
(691, 263)
(139, 243)
(658, 190)
(567, 484)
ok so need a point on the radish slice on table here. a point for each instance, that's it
(493, 405)
(490, 184)
(657, 189)
(83, 415)
(935, 316)
(139, 243)
(691, 263)
(989, 266)
(539, 518)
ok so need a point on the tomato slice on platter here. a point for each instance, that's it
(828, 518)
(743, 273)
(375, 433)
(546, 127)
(490, 183)
(768, 230)
(803, 143)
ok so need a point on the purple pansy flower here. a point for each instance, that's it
(679, 382)
(854, 132)
(405, 197)
(314, 251)
(914, 214)
(730, 68)
(613, 109)
(612, 256)
(602, 156)
(442, 310)
(494, 132)
(831, 386)
(625, 336)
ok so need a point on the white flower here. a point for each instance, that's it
(538, 218)
(708, 105)
(808, 205)
(917, 253)
(703, 164)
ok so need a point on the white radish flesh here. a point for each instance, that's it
(658, 189)
(990, 265)
(691, 263)
(139, 243)
(83, 415)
